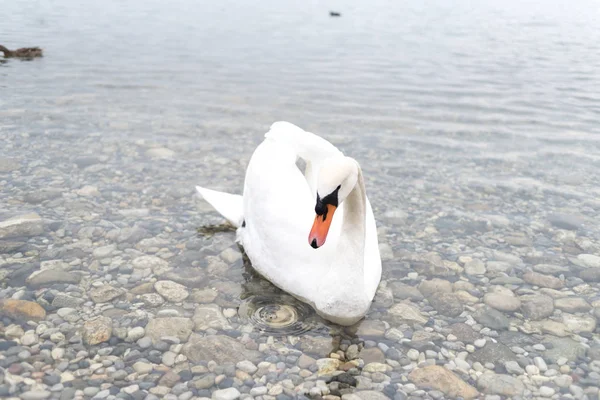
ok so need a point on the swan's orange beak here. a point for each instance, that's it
(320, 227)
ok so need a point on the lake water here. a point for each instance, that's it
(476, 125)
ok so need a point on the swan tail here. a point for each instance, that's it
(230, 206)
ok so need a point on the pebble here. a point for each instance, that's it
(35, 395)
(540, 364)
(171, 291)
(247, 366)
(226, 394)
(142, 367)
(546, 391)
(413, 354)
(135, 334)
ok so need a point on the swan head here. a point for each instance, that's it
(337, 178)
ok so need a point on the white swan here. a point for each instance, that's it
(337, 270)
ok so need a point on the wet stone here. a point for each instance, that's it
(445, 381)
(320, 346)
(209, 316)
(503, 385)
(22, 310)
(189, 277)
(51, 277)
(26, 225)
(178, 327)
(572, 304)
(403, 291)
(371, 328)
(372, 355)
(495, 353)
(447, 304)
(171, 291)
(407, 313)
(566, 221)
(542, 280)
(105, 293)
(491, 318)
(433, 286)
(219, 348)
(536, 307)
(97, 330)
(550, 269)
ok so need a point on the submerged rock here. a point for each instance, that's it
(447, 304)
(537, 306)
(407, 313)
(503, 385)
(172, 326)
(50, 277)
(209, 316)
(105, 293)
(502, 301)
(491, 318)
(218, 348)
(537, 279)
(439, 378)
(22, 310)
(572, 304)
(171, 291)
(495, 353)
(320, 346)
(97, 330)
(26, 225)
(370, 328)
(157, 265)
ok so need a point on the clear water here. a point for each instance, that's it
(462, 114)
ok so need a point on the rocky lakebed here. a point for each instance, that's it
(117, 282)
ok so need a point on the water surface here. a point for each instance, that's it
(476, 125)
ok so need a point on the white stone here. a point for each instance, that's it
(29, 338)
(413, 354)
(226, 394)
(135, 334)
(172, 291)
(561, 361)
(532, 370)
(258, 391)
(58, 353)
(88, 191)
(229, 312)
(131, 389)
(540, 363)
(142, 367)
(160, 152)
(247, 366)
(589, 260)
(546, 391)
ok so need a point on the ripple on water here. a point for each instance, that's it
(278, 315)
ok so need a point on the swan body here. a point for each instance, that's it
(337, 270)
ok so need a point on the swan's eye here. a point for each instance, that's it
(320, 207)
(331, 199)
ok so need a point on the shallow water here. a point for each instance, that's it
(476, 126)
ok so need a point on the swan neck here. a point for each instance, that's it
(353, 226)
